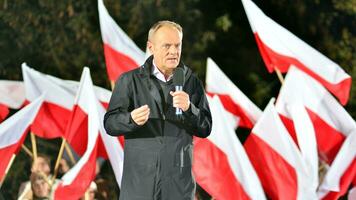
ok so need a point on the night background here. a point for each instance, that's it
(60, 37)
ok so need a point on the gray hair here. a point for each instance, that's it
(161, 24)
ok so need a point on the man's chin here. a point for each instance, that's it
(172, 65)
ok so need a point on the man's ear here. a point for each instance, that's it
(150, 47)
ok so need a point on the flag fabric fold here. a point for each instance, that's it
(13, 132)
(220, 164)
(76, 181)
(280, 49)
(277, 159)
(12, 96)
(121, 53)
(305, 134)
(113, 148)
(234, 101)
(341, 172)
(331, 122)
(12, 93)
(53, 118)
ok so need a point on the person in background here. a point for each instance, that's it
(41, 164)
(91, 192)
(40, 186)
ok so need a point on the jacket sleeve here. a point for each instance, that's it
(117, 120)
(198, 117)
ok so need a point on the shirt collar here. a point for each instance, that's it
(158, 74)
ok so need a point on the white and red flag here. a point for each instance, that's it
(13, 132)
(280, 49)
(121, 53)
(53, 117)
(277, 159)
(332, 123)
(76, 181)
(54, 114)
(220, 164)
(12, 96)
(341, 172)
(232, 98)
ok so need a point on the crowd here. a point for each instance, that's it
(42, 183)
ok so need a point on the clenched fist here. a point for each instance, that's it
(140, 115)
(180, 100)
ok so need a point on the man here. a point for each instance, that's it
(158, 143)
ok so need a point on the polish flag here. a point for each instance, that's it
(331, 121)
(12, 96)
(13, 132)
(277, 160)
(76, 181)
(53, 117)
(121, 53)
(340, 174)
(54, 114)
(280, 49)
(234, 101)
(220, 164)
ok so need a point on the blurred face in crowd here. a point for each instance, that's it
(41, 164)
(90, 193)
(40, 187)
(165, 45)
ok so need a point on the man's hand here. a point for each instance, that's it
(140, 115)
(180, 100)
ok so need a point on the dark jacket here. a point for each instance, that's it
(158, 154)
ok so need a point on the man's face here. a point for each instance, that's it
(40, 188)
(165, 46)
(41, 165)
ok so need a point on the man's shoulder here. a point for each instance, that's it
(129, 74)
(132, 72)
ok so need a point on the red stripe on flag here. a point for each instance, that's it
(4, 111)
(274, 60)
(234, 109)
(7, 152)
(78, 135)
(50, 121)
(278, 178)
(117, 62)
(329, 140)
(213, 173)
(345, 182)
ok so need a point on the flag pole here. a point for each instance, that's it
(70, 154)
(27, 150)
(34, 146)
(60, 153)
(8, 168)
(279, 74)
(112, 83)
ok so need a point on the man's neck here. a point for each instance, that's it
(166, 73)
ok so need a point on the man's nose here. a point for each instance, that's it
(173, 49)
